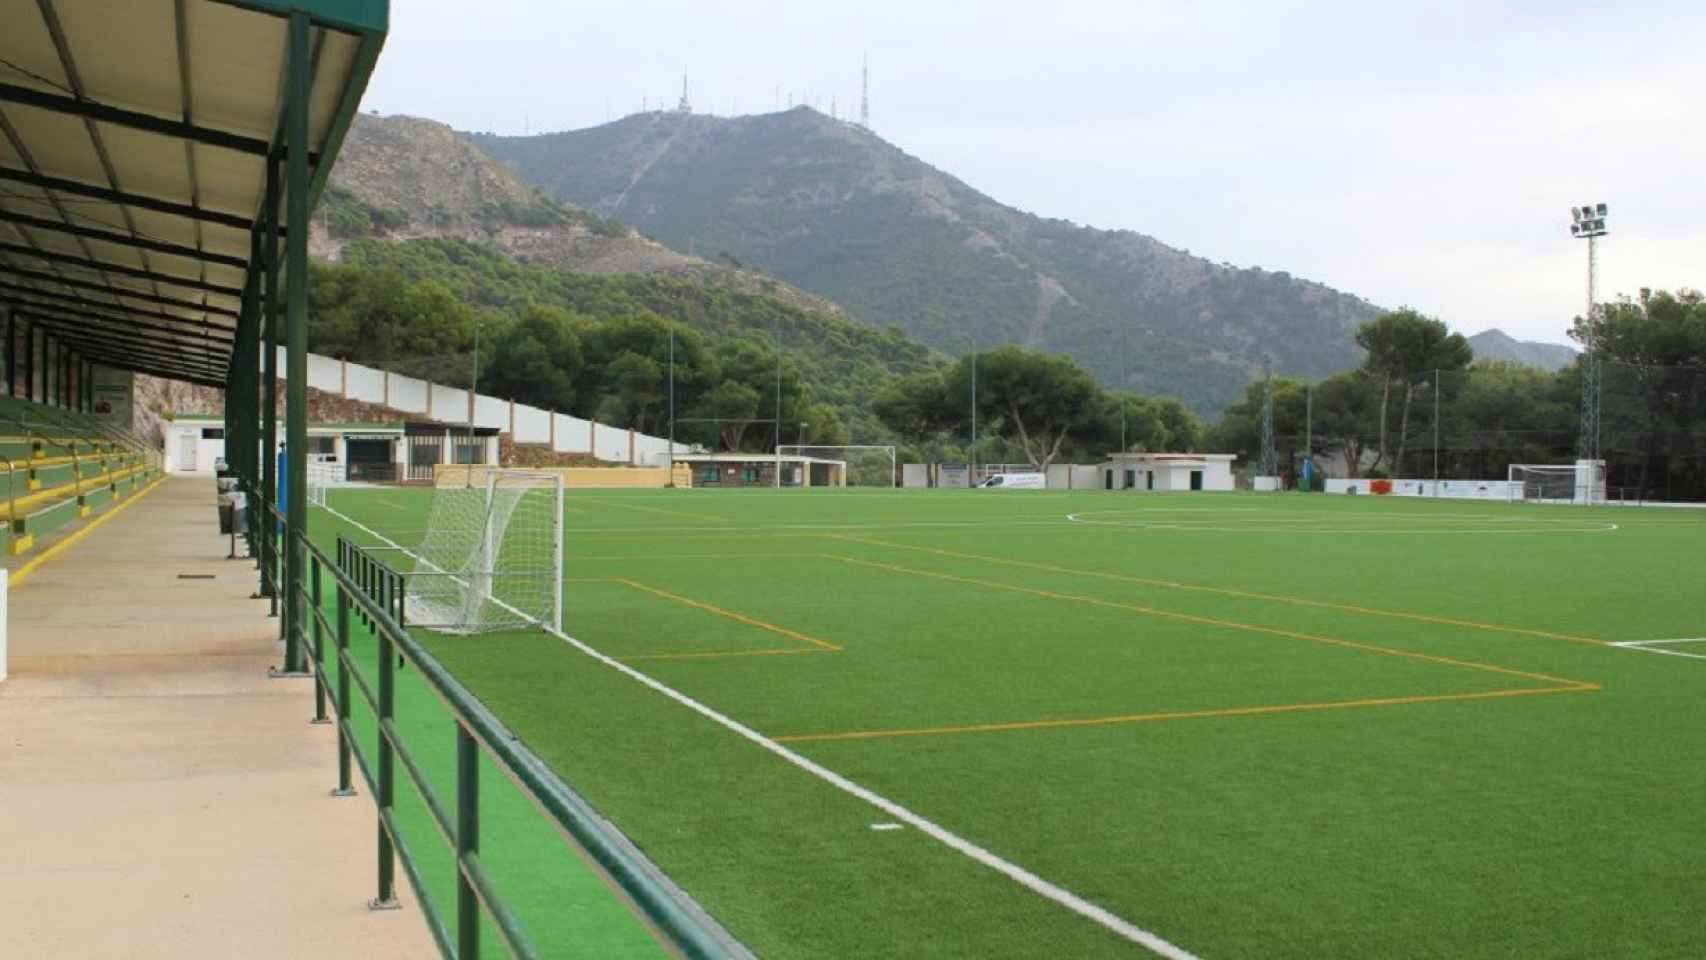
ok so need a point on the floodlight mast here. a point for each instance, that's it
(1588, 223)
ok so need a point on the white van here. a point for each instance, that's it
(1016, 481)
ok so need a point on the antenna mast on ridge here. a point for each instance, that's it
(686, 106)
(865, 94)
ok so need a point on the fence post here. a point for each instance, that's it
(387, 898)
(467, 843)
(319, 650)
(345, 788)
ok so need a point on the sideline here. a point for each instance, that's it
(18, 575)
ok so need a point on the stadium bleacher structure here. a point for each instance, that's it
(58, 466)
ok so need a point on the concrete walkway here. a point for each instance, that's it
(159, 796)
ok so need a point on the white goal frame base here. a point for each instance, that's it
(1581, 482)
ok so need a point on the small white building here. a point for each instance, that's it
(393, 452)
(1168, 471)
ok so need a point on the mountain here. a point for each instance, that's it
(1498, 345)
(831, 207)
(416, 208)
(405, 178)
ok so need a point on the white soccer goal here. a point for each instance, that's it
(1579, 482)
(492, 555)
(322, 475)
(859, 464)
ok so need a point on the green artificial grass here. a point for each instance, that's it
(1254, 725)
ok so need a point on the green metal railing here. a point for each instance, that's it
(370, 595)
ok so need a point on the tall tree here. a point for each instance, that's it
(1040, 399)
(1437, 351)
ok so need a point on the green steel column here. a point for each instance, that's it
(268, 531)
(467, 843)
(11, 352)
(30, 363)
(296, 354)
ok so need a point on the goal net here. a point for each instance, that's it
(847, 465)
(321, 476)
(1580, 482)
(492, 555)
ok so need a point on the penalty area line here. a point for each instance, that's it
(1104, 918)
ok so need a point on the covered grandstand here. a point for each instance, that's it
(159, 163)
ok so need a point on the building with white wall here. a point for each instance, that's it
(367, 452)
(1167, 471)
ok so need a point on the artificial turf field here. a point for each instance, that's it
(1243, 725)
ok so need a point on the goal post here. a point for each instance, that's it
(1579, 482)
(491, 557)
(321, 476)
(863, 464)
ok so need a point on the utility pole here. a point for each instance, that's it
(1309, 437)
(473, 401)
(1436, 431)
(778, 334)
(972, 479)
(1269, 465)
(672, 404)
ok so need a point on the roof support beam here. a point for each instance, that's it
(104, 236)
(164, 358)
(167, 335)
(199, 377)
(176, 129)
(125, 338)
(106, 310)
(93, 192)
(6, 268)
(102, 266)
(148, 363)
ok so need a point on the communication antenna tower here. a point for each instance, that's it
(1269, 466)
(686, 106)
(865, 94)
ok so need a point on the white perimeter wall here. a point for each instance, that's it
(1449, 489)
(418, 397)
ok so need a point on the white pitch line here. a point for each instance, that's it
(1025, 878)
(1651, 646)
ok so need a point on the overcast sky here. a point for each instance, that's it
(1423, 155)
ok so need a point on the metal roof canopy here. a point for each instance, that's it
(134, 146)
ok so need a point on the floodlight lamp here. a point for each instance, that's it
(1575, 229)
(1576, 214)
(1601, 210)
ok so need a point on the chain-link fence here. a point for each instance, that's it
(1473, 424)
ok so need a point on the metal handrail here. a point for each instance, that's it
(375, 593)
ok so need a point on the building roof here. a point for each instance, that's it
(134, 140)
(752, 458)
(1178, 459)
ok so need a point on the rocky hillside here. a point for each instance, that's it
(403, 178)
(1498, 345)
(832, 208)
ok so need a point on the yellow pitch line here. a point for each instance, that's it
(19, 574)
(1226, 591)
(716, 655)
(1210, 621)
(1178, 715)
(585, 505)
(709, 608)
(697, 556)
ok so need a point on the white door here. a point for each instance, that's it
(186, 451)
